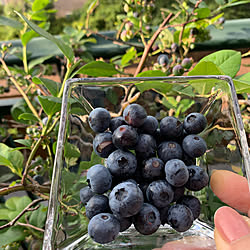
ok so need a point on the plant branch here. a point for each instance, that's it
(5, 67)
(150, 44)
(19, 187)
(31, 226)
(27, 209)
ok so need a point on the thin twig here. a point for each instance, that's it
(150, 44)
(31, 226)
(20, 187)
(27, 209)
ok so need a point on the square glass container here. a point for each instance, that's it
(213, 96)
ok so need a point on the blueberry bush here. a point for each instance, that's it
(163, 50)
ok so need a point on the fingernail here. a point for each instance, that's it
(230, 224)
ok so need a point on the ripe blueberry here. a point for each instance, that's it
(103, 228)
(125, 137)
(176, 172)
(116, 122)
(160, 193)
(135, 115)
(195, 123)
(146, 146)
(198, 178)
(149, 126)
(103, 145)
(168, 150)
(147, 221)
(171, 128)
(97, 204)
(99, 119)
(194, 146)
(180, 217)
(85, 194)
(191, 202)
(126, 199)
(99, 179)
(121, 164)
(153, 169)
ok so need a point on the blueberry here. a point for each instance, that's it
(160, 193)
(198, 178)
(103, 145)
(180, 217)
(186, 63)
(174, 47)
(38, 179)
(169, 150)
(125, 223)
(194, 146)
(126, 199)
(163, 59)
(195, 123)
(164, 214)
(178, 192)
(116, 122)
(99, 119)
(171, 127)
(125, 137)
(176, 172)
(149, 126)
(85, 194)
(143, 186)
(103, 228)
(146, 146)
(147, 221)
(153, 169)
(99, 179)
(97, 204)
(178, 70)
(194, 31)
(135, 115)
(121, 164)
(191, 202)
(188, 160)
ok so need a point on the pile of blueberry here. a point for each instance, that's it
(148, 166)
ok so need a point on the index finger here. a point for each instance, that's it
(232, 189)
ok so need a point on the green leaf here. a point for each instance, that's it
(50, 104)
(38, 61)
(6, 177)
(203, 12)
(39, 4)
(205, 68)
(52, 86)
(25, 142)
(13, 234)
(38, 217)
(71, 151)
(4, 214)
(162, 87)
(92, 6)
(14, 157)
(5, 21)
(66, 50)
(130, 54)
(241, 86)
(29, 117)
(68, 179)
(5, 162)
(95, 159)
(28, 35)
(245, 77)
(228, 61)
(98, 68)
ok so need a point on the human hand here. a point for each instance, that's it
(232, 231)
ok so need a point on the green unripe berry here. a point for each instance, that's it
(146, 18)
(178, 70)
(186, 63)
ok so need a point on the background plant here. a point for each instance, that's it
(40, 111)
